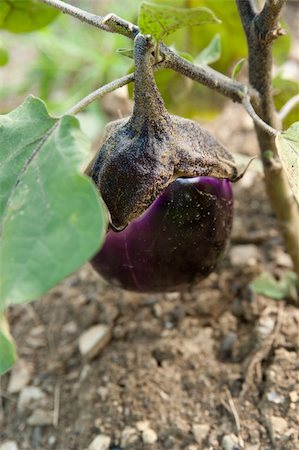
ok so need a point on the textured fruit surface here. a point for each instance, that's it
(176, 242)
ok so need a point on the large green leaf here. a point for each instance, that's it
(22, 16)
(51, 217)
(7, 346)
(287, 144)
(162, 20)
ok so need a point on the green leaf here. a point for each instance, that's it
(4, 56)
(22, 16)
(211, 53)
(51, 216)
(238, 67)
(162, 20)
(287, 144)
(128, 52)
(8, 354)
(265, 284)
(284, 88)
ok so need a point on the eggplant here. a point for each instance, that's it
(175, 243)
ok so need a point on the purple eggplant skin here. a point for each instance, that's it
(175, 243)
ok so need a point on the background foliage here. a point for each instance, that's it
(59, 69)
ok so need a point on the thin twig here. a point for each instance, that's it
(257, 120)
(206, 76)
(116, 84)
(56, 405)
(287, 108)
(110, 23)
(243, 172)
(233, 410)
(262, 352)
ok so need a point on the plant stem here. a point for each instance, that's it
(204, 75)
(110, 23)
(257, 120)
(116, 84)
(260, 30)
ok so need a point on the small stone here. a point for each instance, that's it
(9, 445)
(158, 311)
(52, 440)
(20, 377)
(40, 418)
(128, 436)
(279, 425)
(94, 340)
(30, 396)
(230, 442)
(36, 338)
(103, 392)
(283, 259)
(101, 442)
(172, 296)
(142, 425)
(70, 327)
(244, 255)
(265, 327)
(294, 396)
(192, 447)
(149, 436)
(274, 397)
(200, 432)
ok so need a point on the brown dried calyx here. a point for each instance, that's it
(142, 154)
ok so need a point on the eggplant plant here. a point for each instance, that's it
(153, 210)
(166, 181)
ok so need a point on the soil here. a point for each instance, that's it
(213, 367)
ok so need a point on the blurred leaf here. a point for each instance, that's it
(128, 52)
(22, 16)
(282, 46)
(287, 144)
(265, 284)
(184, 55)
(162, 20)
(51, 216)
(283, 90)
(4, 56)
(238, 67)
(211, 53)
(7, 346)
